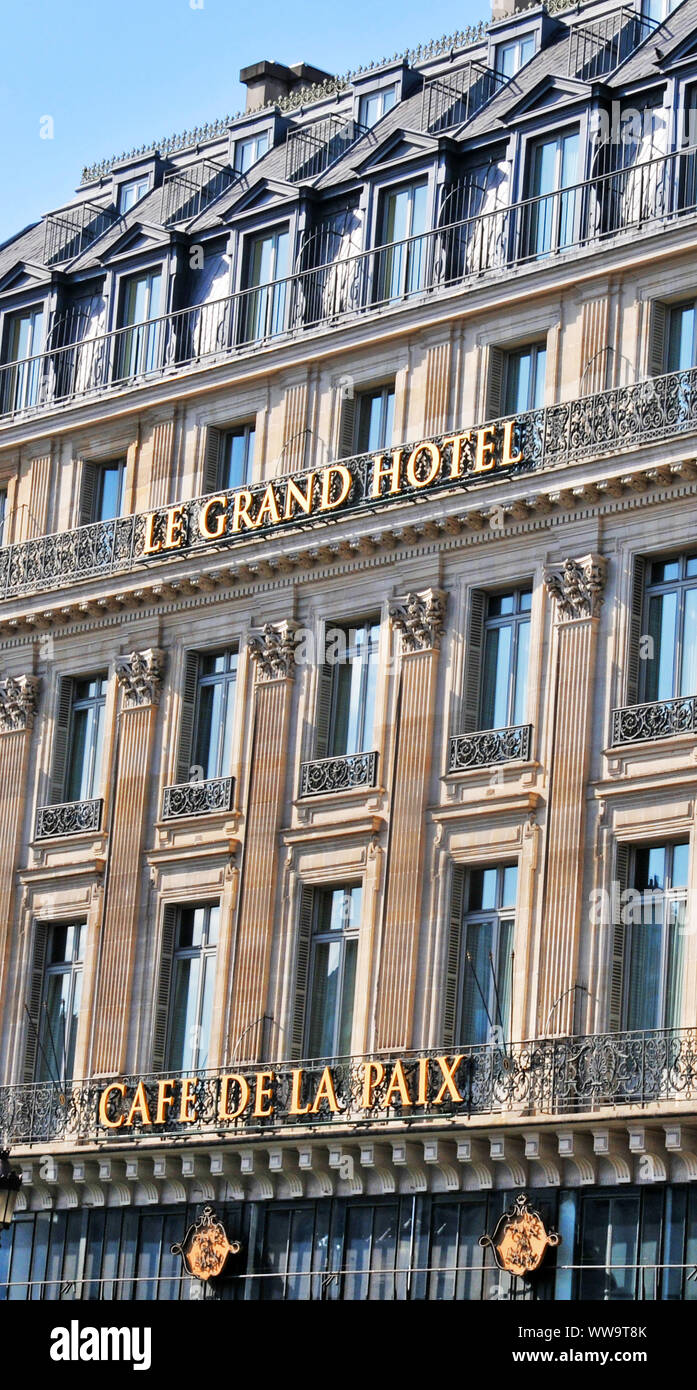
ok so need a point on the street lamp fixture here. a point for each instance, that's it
(10, 1183)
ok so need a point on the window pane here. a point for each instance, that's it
(325, 979)
(477, 976)
(682, 332)
(497, 667)
(77, 773)
(644, 972)
(347, 998)
(521, 673)
(204, 1026)
(661, 663)
(688, 675)
(681, 861)
(183, 1027)
(110, 490)
(240, 448)
(510, 886)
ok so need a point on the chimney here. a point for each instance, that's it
(267, 81)
(503, 9)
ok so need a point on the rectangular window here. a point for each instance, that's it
(525, 379)
(486, 959)
(193, 981)
(103, 491)
(506, 655)
(60, 1005)
(401, 261)
(681, 338)
(656, 937)
(86, 738)
(237, 457)
(374, 106)
(658, 10)
(333, 971)
(670, 617)
(375, 419)
(132, 192)
(511, 56)
(138, 347)
(248, 151)
(3, 515)
(549, 221)
(23, 344)
(354, 677)
(215, 712)
(265, 302)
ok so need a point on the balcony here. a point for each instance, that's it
(451, 100)
(185, 799)
(188, 192)
(312, 148)
(68, 818)
(487, 244)
(659, 719)
(325, 776)
(598, 48)
(526, 1080)
(489, 747)
(68, 234)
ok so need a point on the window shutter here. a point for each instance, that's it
(347, 428)
(211, 461)
(658, 317)
(619, 932)
(452, 964)
(61, 737)
(36, 989)
(89, 486)
(473, 661)
(634, 634)
(494, 384)
(323, 712)
(164, 982)
(302, 970)
(186, 717)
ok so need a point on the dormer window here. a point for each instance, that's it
(139, 346)
(132, 192)
(512, 56)
(248, 151)
(657, 10)
(373, 106)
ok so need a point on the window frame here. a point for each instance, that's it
(254, 140)
(380, 94)
(482, 917)
(126, 186)
(491, 623)
(319, 938)
(537, 380)
(94, 750)
(680, 587)
(668, 895)
(371, 650)
(247, 432)
(73, 967)
(204, 953)
(386, 394)
(515, 44)
(227, 680)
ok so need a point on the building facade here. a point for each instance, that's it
(348, 697)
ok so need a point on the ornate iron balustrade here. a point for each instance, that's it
(68, 818)
(197, 798)
(340, 774)
(489, 746)
(659, 719)
(488, 243)
(547, 1076)
(588, 427)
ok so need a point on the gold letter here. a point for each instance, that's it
(425, 448)
(263, 1093)
(398, 1082)
(221, 519)
(140, 1103)
(303, 499)
(508, 456)
(163, 1099)
(150, 546)
(223, 1112)
(240, 502)
(104, 1101)
(422, 1098)
(373, 1075)
(485, 448)
(392, 471)
(295, 1107)
(325, 1091)
(173, 530)
(186, 1100)
(326, 504)
(270, 505)
(448, 1084)
(457, 441)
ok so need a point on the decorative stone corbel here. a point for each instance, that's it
(541, 1151)
(578, 587)
(377, 1159)
(409, 1157)
(140, 676)
(420, 618)
(273, 650)
(19, 700)
(439, 1156)
(507, 1148)
(312, 1162)
(577, 1149)
(611, 1149)
(479, 1170)
(647, 1145)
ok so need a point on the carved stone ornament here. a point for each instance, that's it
(578, 586)
(420, 619)
(140, 677)
(520, 1240)
(205, 1248)
(273, 650)
(18, 702)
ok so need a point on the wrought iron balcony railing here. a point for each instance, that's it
(587, 427)
(187, 192)
(69, 233)
(658, 719)
(312, 148)
(546, 1076)
(598, 48)
(452, 99)
(339, 774)
(197, 798)
(488, 243)
(68, 818)
(489, 746)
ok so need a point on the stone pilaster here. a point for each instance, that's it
(577, 591)
(419, 619)
(140, 678)
(18, 704)
(273, 653)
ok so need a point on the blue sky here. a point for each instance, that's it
(113, 76)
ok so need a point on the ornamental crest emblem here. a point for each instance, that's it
(520, 1239)
(205, 1247)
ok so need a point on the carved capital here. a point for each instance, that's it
(273, 650)
(140, 677)
(578, 586)
(420, 619)
(18, 703)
